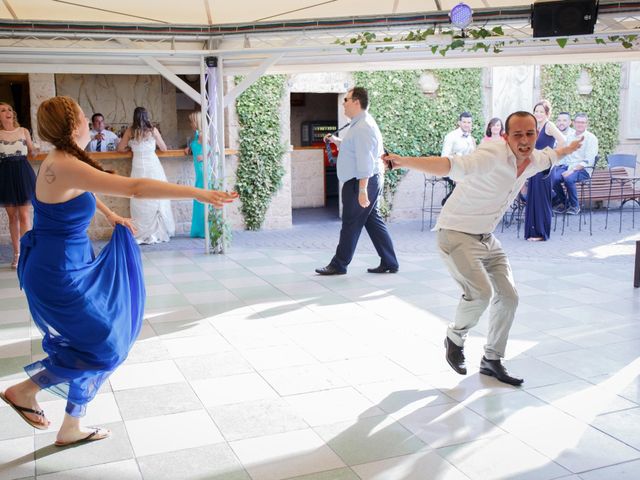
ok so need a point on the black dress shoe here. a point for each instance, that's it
(494, 368)
(382, 269)
(455, 356)
(329, 270)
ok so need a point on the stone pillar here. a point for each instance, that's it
(41, 87)
(512, 90)
(629, 131)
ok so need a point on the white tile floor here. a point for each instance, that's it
(251, 367)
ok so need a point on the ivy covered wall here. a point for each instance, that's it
(602, 105)
(413, 123)
(260, 169)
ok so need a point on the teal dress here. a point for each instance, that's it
(197, 218)
(89, 308)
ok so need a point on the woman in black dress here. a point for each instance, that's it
(17, 179)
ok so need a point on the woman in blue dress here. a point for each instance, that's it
(537, 214)
(89, 309)
(195, 148)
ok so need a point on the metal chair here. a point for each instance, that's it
(515, 213)
(619, 165)
(430, 182)
(584, 201)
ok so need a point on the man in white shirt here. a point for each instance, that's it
(563, 122)
(574, 168)
(458, 142)
(101, 138)
(493, 175)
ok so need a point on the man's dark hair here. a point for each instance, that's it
(565, 113)
(581, 115)
(519, 114)
(360, 94)
(93, 117)
(464, 115)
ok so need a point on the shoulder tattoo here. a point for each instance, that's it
(49, 175)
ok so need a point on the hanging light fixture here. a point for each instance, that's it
(461, 15)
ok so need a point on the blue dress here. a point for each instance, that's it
(89, 309)
(538, 213)
(197, 218)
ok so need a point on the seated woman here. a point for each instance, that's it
(494, 131)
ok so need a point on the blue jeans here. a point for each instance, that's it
(569, 183)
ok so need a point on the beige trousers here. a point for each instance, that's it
(481, 268)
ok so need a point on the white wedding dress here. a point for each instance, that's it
(153, 219)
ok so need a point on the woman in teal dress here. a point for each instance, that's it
(195, 147)
(89, 309)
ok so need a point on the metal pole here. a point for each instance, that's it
(221, 170)
(204, 132)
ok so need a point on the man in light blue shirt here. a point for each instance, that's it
(571, 168)
(361, 172)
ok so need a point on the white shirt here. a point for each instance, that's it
(455, 143)
(568, 133)
(486, 185)
(586, 154)
(109, 138)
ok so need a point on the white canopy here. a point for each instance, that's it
(280, 36)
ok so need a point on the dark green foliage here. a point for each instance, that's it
(260, 168)
(601, 105)
(415, 124)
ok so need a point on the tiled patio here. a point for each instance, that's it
(249, 366)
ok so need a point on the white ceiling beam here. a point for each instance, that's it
(252, 77)
(184, 87)
(10, 8)
(191, 92)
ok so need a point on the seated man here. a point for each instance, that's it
(571, 168)
(563, 122)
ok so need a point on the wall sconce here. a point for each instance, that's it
(584, 83)
(428, 83)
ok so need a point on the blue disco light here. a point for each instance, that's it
(461, 15)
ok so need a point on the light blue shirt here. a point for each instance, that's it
(585, 155)
(360, 150)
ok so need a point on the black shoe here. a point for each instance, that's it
(560, 208)
(329, 270)
(494, 368)
(573, 210)
(383, 269)
(455, 356)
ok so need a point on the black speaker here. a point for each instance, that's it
(563, 17)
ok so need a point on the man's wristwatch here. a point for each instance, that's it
(362, 190)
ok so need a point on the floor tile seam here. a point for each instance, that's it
(608, 466)
(344, 460)
(428, 450)
(611, 436)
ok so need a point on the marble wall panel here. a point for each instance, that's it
(512, 90)
(116, 96)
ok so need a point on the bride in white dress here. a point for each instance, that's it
(153, 218)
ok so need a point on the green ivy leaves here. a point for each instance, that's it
(414, 124)
(601, 105)
(260, 170)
